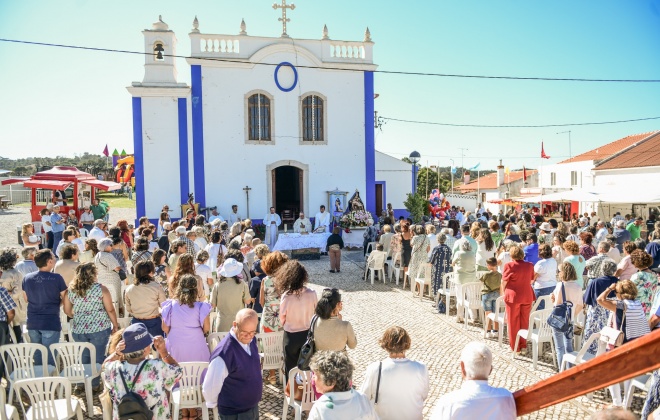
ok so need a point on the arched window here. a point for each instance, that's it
(312, 118)
(259, 121)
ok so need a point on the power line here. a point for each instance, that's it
(516, 126)
(393, 72)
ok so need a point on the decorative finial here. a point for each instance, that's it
(243, 32)
(160, 18)
(325, 32)
(195, 25)
(367, 35)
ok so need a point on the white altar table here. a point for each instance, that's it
(291, 241)
(354, 239)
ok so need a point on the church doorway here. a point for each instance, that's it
(287, 192)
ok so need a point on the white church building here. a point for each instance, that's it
(287, 119)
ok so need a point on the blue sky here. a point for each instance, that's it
(61, 102)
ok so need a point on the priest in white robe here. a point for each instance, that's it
(302, 224)
(322, 219)
(272, 221)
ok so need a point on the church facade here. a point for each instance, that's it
(265, 122)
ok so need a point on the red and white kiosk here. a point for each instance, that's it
(59, 178)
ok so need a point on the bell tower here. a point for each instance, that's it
(160, 49)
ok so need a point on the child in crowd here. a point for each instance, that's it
(489, 294)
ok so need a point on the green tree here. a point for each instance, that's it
(417, 206)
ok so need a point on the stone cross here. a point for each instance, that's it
(284, 19)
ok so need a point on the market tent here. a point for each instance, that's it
(649, 195)
(102, 185)
(564, 197)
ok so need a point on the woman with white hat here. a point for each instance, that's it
(230, 294)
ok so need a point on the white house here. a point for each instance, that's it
(580, 172)
(288, 119)
(493, 188)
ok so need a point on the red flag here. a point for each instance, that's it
(105, 151)
(524, 174)
(543, 155)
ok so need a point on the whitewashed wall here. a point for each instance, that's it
(397, 175)
(230, 164)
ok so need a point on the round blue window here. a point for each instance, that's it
(295, 77)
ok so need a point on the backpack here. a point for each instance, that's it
(132, 406)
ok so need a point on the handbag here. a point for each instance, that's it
(611, 335)
(308, 349)
(380, 367)
(560, 318)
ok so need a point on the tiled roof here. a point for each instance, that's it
(610, 149)
(489, 182)
(646, 153)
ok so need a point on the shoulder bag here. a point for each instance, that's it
(308, 349)
(612, 336)
(380, 368)
(121, 272)
(560, 318)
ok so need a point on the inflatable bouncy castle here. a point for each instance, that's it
(124, 170)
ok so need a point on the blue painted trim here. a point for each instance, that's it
(384, 203)
(295, 76)
(138, 155)
(401, 212)
(184, 175)
(198, 135)
(369, 142)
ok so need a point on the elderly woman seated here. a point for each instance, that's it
(333, 372)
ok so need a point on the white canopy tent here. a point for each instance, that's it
(650, 195)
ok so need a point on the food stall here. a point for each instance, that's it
(60, 178)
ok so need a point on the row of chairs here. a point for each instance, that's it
(50, 398)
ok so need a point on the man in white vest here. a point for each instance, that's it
(322, 219)
(272, 222)
(302, 224)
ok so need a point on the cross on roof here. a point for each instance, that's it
(284, 19)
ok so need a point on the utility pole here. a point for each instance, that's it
(462, 149)
(570, 155)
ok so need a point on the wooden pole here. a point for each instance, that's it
(628, 361)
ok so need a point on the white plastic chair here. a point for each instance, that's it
(392, 269)
(642, 382)
(498, 316)
(308, 397)
(70, 356)
(468, 297)
(577, 357)
(19, 363)
(6, 411)
(214, 339)
(271, 351)
(44, 402)
(539, 335)
(83, 232)
(370, 247)
(548, 303)
(448, 290)
(423, 279)
(65, 333)
(124, 322)
(377, 265)
(189, 392)
(579, 320)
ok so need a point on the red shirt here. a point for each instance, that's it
(518, 275)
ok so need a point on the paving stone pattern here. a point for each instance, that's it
(437, 340)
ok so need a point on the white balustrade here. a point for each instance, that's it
(347, 50)
(219, 45)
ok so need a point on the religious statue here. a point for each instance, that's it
(338, 208)
(355, 203)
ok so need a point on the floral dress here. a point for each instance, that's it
(646, 282)
(395, 245)
(419, 244)
(156, 378)
(441, 264)
(161, 277)
(587, 251)
(270, 320)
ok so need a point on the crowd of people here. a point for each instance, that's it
(178, 281)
